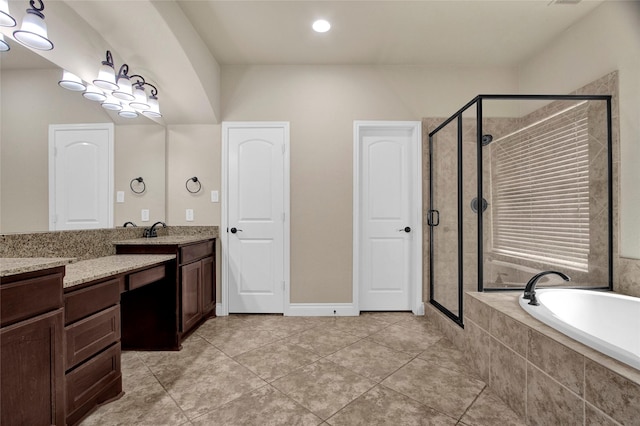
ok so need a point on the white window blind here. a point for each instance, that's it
(540, 191)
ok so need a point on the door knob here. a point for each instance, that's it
(234, 230)
(405, 229)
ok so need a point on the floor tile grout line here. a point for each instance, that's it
(473, 402)
(286, 339)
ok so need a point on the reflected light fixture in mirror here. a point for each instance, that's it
(127, 111)
(140, 102)
(70, 81)
(4, 46)
(33, 31)
(154, 107)
(94, 93)
(112, 104)
(6, 20)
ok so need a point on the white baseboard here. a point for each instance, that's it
(220, 312)
(321, 310)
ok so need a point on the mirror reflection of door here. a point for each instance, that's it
(81, 176)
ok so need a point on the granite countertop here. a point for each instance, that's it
(102, 267)
(20, 265)
(166, 240)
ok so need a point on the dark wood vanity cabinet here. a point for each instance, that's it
(92, 340)
(195, 280)
(31, 349)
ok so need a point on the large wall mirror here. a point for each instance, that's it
(30, 101)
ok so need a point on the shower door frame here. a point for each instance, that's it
(477, 101)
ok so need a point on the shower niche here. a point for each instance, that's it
(519, 184)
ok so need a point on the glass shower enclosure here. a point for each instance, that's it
(520, 184)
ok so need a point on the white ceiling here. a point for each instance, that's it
(175, 43)
(444, 32)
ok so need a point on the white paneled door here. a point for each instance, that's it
(81, 176)
(256, 215)
(388, 216)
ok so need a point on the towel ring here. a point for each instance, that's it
(194, 180)
(140, 181)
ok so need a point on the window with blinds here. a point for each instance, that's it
(540, 191)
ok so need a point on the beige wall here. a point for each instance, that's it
(321, 103)
(193, 150)
(140, 152)
(604, 41)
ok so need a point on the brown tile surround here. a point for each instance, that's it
(541, 374)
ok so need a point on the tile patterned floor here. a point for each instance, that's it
(375, 369)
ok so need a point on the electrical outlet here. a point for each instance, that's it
(189, 215)
(120, 197)
(144, 215)
(215, 197)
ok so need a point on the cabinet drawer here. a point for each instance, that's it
(196, 251)
(90, 335)
(30, 297)
(82, 303)
(145, 277)
(87, 381)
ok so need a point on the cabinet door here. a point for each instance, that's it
(208, 285)
(191, 289)
(32, 371)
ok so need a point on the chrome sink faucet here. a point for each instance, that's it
(153, 232)
(530, 289)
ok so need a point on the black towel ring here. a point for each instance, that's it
(194, 180)
(140, 181)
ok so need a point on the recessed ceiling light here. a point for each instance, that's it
(321, 26)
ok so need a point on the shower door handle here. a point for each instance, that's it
(431, 214)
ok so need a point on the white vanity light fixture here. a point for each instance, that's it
(124, 85)
(111, 103)
(140, 102)
(107, 75)
(127, 111)
(94, 93)
(4, 46)
(33, 31)
(154, 107)
(321, 26)
(70, 81)
(6, 20)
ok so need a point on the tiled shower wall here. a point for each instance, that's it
(626, 271)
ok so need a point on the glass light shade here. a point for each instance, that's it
(72, 82)
(112, 104)
(154, 108)
(33, 33)
(94, 93)
(6, 20)
(124, 89)
(128, 112)
(140, 102)
(4, 46)
(106, 78)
